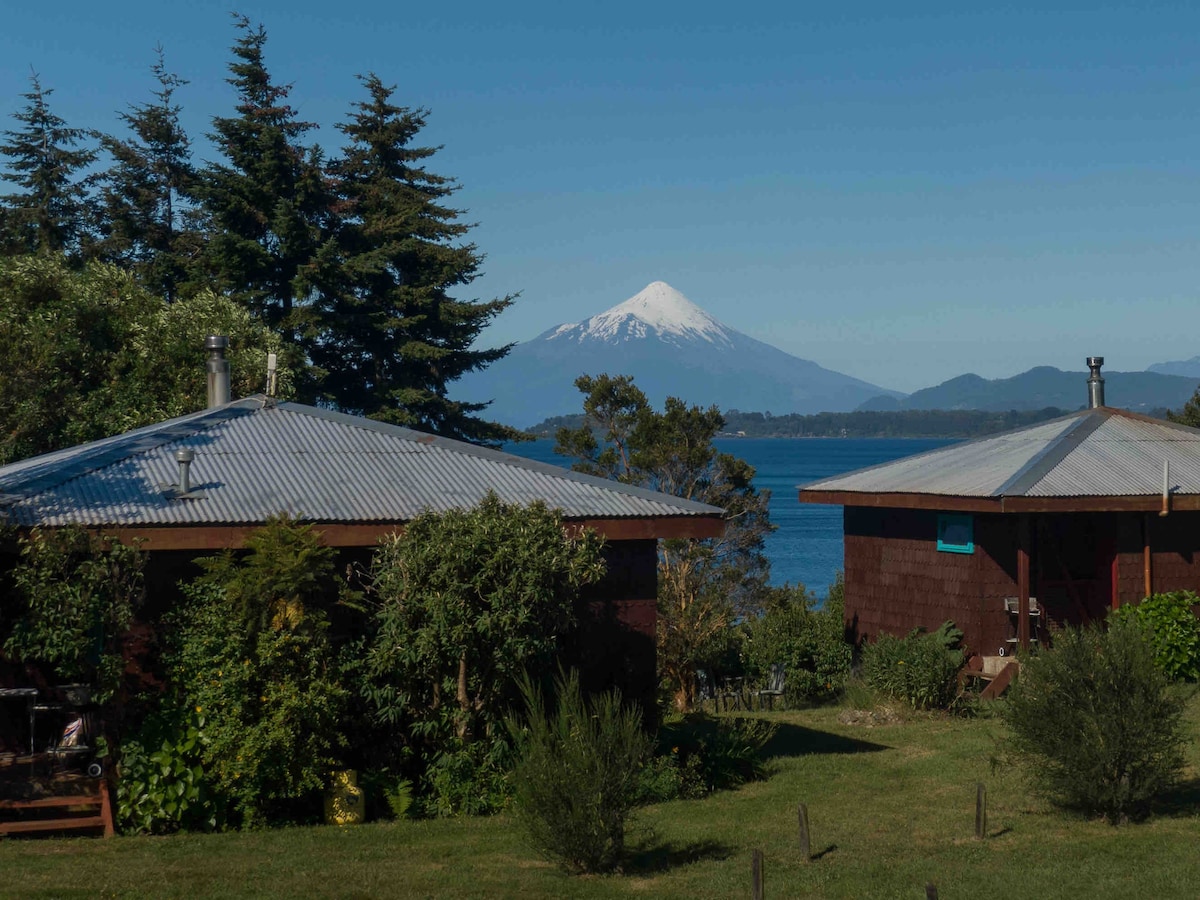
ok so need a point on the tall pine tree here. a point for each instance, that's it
(265, 204)
(385, 329)
(146, 221)
(48, 212)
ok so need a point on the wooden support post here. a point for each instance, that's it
(1146, 555)
(930, 891)
(805, 839)
(980, 811)
(1023, 582)
(756, 875)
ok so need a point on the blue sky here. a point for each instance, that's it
(903, 196)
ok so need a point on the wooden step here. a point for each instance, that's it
(68, 824)
(43, 802)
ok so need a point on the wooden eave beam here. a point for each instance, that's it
(222, 537)
(1150, 503)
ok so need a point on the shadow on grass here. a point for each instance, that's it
(651, 857)
(1183, 800)
(823, 853)
(796, 740)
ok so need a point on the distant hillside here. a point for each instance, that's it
(966, 423)
(1043, 387)
(1188, 368)
(671, 347)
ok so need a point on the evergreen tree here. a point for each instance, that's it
(386, 330)
(265, 205)
(146, 223)
(48, 211)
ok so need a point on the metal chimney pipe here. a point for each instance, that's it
(1095, 383)
(184, 457)
(218, 370)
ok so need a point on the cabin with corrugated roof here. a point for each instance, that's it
(203, 482)
(1015, 534)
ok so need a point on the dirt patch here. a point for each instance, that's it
(869, 718)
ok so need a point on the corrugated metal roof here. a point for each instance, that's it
(254, 460)
(1101, 452)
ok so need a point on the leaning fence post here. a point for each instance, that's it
(756, 875)
(980, 811)
(805, 839)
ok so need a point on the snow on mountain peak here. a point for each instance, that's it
(659, 309)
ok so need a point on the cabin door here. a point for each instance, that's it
(1075, 570)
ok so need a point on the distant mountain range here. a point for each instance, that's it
(1045, 386)
(671, 347)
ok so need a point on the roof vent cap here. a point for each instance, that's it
(1095, 383)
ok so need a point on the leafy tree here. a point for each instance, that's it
(386, 331)
(48, 212)
(468, 600)
(74, 598)
(88, 353)
(704, 585)
(264, 206)
(146, 223)
(254, 657)
(1190, 414)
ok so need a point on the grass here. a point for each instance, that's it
(891, 808)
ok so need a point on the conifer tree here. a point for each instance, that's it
(147, 224)
(264, 205)
(44, 160)
(386, 329)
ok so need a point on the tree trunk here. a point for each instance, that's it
(464, 701)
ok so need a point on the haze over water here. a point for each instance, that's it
(806, 547)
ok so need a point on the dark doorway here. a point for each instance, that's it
(1073, 560)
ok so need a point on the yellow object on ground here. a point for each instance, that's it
(344, 803)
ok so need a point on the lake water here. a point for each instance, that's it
(806, 548)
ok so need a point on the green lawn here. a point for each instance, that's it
(891, 807)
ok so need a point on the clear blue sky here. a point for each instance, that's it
(903, 196)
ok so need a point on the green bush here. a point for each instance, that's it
(160, 779)
(1094, 724)
(577, 776)
(469, 779)
(1173, 629)
(809, 643)
(921, 669)
(698, 754)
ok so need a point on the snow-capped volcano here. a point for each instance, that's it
(659, 310)
(671, 347)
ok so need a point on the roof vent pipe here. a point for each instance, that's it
(184, 457)
(1095, 383)
(218, 370)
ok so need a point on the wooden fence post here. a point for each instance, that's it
(930, 891)
(980, 811)
(805, 838)
(756, 876)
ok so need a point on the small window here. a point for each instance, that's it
(956, 533)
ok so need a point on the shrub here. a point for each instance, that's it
(1173, 629)
(1094, 722)
(700, 754)
(576, 779)
(921, 669)
(469, 779)
(809, 643)
(160, 779)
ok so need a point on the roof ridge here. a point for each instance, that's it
(1055, 451)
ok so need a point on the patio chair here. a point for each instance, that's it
(774, 687)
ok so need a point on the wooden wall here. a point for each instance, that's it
(1174, 554)
(897, 579)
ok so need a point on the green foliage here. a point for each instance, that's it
(161, 786)
(921, 669)
(75, 598)
(1094, 724)
(385, 329)
(468, 600)
(255, 658)
(469, 779)
(49, 213)
(87, 353)
(704, 585)
(1173, 631)
(810, 644)
(699, 754)
(576, 779)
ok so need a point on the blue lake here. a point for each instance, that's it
(806, 548)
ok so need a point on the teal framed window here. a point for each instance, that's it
(956, 533)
